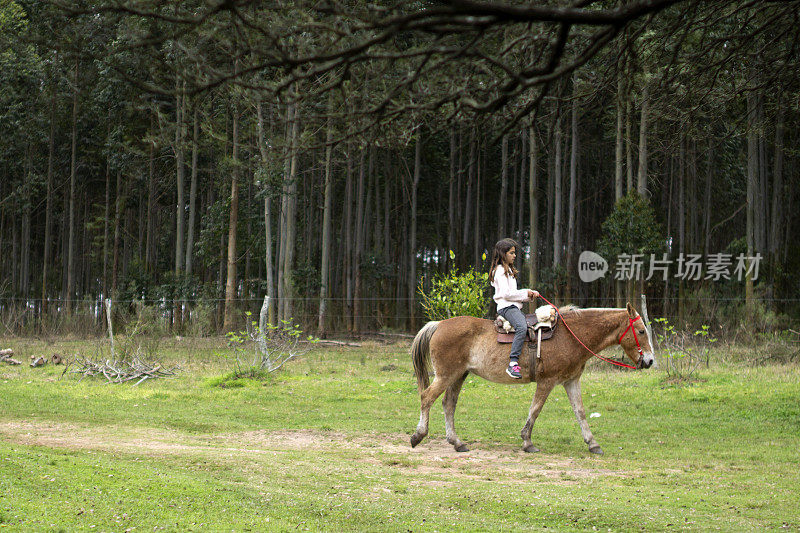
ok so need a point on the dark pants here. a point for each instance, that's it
(515, 315)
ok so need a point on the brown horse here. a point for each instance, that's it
(460, 345)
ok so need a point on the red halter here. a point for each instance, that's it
(630, 327)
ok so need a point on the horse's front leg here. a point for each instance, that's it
(573, 388)
(543, 389)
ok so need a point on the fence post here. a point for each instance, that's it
(262, 317)
(110, 330)
(647, 322)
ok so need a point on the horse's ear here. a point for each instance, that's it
(631, 311)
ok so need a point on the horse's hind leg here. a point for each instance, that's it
(427, 398)
(573, 388)
(449, 404)
(543, 389)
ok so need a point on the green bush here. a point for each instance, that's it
(682, 351)
(456, 294)
(631, 229)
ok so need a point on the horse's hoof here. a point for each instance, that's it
(531, 449)
(415, 439)
(596, 449)
(462, 448)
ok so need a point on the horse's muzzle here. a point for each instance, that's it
(646, 361)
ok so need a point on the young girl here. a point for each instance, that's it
(509, 299)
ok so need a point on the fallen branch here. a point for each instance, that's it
(384, 334)
(120, 371)
(337, 343)
(8, 359)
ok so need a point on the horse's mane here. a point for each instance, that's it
(578, 311)
(570, 308)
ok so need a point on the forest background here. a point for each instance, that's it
(189, 158)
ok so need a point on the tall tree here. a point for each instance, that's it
(642, 173)
(265, 162)
(193, 190)
(502, 206)
(230, 284)
(70, 293)
(618, 187)
(412, 237)
(752, 190)
(557, 196)
(326, 227)
(51, 149)
(533, 201)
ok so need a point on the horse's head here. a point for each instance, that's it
(635, 340)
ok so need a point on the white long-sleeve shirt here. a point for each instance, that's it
(506, 292)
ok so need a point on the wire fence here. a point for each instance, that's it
(205, 316)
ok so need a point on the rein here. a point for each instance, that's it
(630, 326)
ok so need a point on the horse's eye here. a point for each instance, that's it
(641, 332)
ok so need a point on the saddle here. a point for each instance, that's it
(541, 326)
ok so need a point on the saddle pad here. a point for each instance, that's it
(500, 323)
(505, 338)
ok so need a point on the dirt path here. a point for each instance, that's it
(432, 456)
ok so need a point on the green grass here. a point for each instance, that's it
(323, 445)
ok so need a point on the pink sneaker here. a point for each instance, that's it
(513, 370)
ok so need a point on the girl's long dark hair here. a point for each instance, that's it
(500, 250)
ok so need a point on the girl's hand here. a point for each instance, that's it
(532, 295)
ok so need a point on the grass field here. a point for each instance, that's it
(323, 445)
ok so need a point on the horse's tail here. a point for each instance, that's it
(421, 354)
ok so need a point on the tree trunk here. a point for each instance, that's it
(477, 227)
(230, 284)
(412, 240)
(502, 207)
(348, 241)
(72, 178)
(628, 145)
(359, 250)
(763, 203)
(193, 192)
(681, 198)
(282, 213)
(119, 206)
(180, 178)
(150, 239)
(777, 185)
(26, 229)
(521, 191)
(262, 146)
(51, 149)
(326, 228)
(618, 190)
(451, 203)
(106, 228)
(468, 222)
(557, 231)
(642, 174)
(181, 202)
(573, 184)
(752, 190)
(707, 196)
(533, 200)
(291, 220)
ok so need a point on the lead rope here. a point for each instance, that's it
(587, 348)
